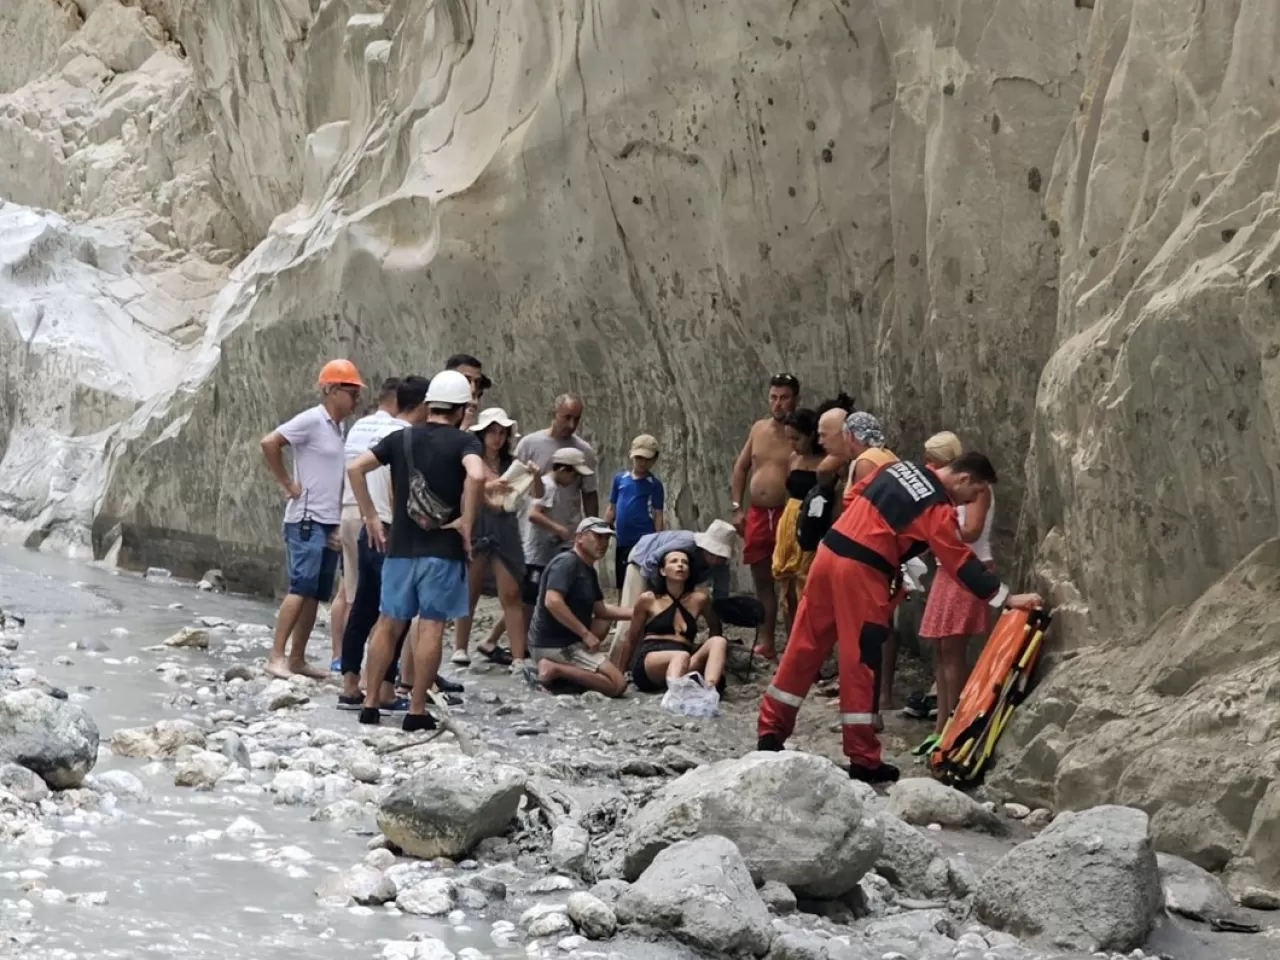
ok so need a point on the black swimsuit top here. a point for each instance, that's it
(664, 624)
(800, 482)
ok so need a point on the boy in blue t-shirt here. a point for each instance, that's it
(635, 503)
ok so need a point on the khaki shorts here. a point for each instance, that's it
(574, 655)
(349, 530)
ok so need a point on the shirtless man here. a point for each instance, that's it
(766, 458)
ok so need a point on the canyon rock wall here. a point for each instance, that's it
(1049, 226)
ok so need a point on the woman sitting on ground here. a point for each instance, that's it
(497, 552)
(664, 624)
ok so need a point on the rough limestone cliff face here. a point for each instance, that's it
(1050, 226)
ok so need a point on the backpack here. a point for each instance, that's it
(817, 513)
(422, 504)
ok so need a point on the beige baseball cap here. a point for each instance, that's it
(644, 446)
(571, 457)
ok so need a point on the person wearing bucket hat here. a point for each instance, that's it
(497, 557)
(313, 511)
(636, 502)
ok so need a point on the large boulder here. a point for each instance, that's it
(923, 800)
(795, 818)
(1192, 891)
(701, 892)
(54, 738)
(451, 805)
(915, 864)
(1089, 882)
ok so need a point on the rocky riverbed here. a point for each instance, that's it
(167, 798)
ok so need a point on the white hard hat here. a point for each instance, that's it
(449, 388)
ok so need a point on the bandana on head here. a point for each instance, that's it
(865, 428)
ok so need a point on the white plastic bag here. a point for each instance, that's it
(690, 696)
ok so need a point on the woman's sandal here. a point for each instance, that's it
(499, 655)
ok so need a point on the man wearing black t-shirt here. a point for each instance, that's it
(571, 617)
(425, 573)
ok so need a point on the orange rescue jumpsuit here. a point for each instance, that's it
(897, 513)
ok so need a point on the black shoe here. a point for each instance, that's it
(920, 705)
(881, 773)
(445, 685)
(351, 703)
(451, 699)
(770, 743)
(417, 722)
(370, 715)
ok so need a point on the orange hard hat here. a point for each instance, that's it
(339, 371)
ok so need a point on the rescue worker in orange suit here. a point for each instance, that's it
(895, 514)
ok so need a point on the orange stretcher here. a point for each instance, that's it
(999, 682)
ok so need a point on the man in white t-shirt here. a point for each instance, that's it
(396, 401)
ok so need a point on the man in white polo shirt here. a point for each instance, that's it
(311, 517)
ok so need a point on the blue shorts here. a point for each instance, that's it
(312, 565)
(428, 587)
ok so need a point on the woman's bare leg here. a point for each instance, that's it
(512, 610)
(665, 665)
(710, 659)
(951, 668)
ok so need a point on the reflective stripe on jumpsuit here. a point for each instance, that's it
(847, 605)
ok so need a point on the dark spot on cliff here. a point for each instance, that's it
(1033, 179)
(827, 155)
(1239, 419)
(949, 89)
(1273, 351)
(771, 101)
(1093, 251)
(657, 15)
(1146, 136)
(995, 123)
(1195, 198)
(1271, 283)
(764, 249)
(579, 239)
(1054, 229)
(968, 297)
(913, 260)
(810, 125)
(791, 191)
(855, 300)
(1228, 235)
(788, 44)
(637, 201)
(778, 41)
(1241, 373)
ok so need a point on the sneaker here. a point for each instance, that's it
(445, 685)
(351, 703)
(460, 658)
(499, 655)
(926, 745)
(451, 699)
(770, 743)
(919, 706)
(417, 722)
(398, 705)
(881, 773)
(370, 715)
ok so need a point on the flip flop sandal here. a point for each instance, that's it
(499, 655)
(926, 746)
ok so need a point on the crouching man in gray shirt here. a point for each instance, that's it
(571, 618)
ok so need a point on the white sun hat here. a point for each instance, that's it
(489, 416)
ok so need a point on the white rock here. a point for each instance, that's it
(196, 638)
(430, 898)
